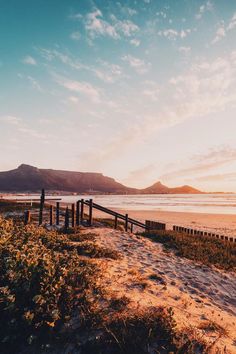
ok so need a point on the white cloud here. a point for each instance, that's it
(208, 6)
(232, 23)
(75, 36)
(73, 99)
(185, 50)
(207, 87)
(223, 29)
(13, 120)
(85, 88)
(135, 42)
(29, 60)
(34, 83)
(130, 11)
(137, 64)
(173, 34)
(220, 33)
(96, 26)
(109, 72)
(151, 90)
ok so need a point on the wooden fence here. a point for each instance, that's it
(74, 215)
(202, 233)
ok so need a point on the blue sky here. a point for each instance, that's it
(138, 90)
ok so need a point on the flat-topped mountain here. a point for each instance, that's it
(29, 178)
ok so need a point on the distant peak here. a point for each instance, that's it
(25, 167)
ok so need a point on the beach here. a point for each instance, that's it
(218, 223)
(215, 223)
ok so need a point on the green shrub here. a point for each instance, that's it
(40, 280)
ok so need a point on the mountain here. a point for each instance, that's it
(29, 178)
(159, 188)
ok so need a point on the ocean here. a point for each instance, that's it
(199, 203)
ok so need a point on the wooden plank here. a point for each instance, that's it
(26, 217)
(82, 211)
(67, 219)
(116, 222)
(73, 215)
(90, 221)
(51, 215)
(57, 213)
(126, 222)
(78, 213)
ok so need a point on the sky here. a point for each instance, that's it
(139, 90)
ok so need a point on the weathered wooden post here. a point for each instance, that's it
(27, 217)
(78, 213)
(126, 222)
(67, 219)
(116, 221)
(73, 215)
(58, 213)
(90, 221)
(51, 215)
(131, 227)
(82, 211)
(42, 200)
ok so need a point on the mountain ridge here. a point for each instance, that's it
(30, 178)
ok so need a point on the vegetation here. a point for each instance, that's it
(207, 250)
(52, 300)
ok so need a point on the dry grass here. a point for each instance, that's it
(206, 250)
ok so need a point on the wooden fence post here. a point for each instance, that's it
(82, 211)
(58, 214)
(27, 217)
(73, 215)
(131, 227)
(126, 222)
(67, 219)
(116, 221)
(42, 200)
(51, 215)
(90, 221)
(78, 213)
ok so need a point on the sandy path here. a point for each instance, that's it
(151, 277)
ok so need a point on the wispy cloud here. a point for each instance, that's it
(84, 88)
(202, 163)
(13, 120)
(185, 50)
(136, 42)
(140, 176)
(220, 33)
(208, 6)
(29, 60)
(173, 34)
(223, 29)
(108, 72)
(75, 36)
(151, 90)
(139, 65)
(96, 26)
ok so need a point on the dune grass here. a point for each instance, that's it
(204, 249)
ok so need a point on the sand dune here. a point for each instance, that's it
(151, 277)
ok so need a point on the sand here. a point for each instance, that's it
(149, 277)
(216, 223)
